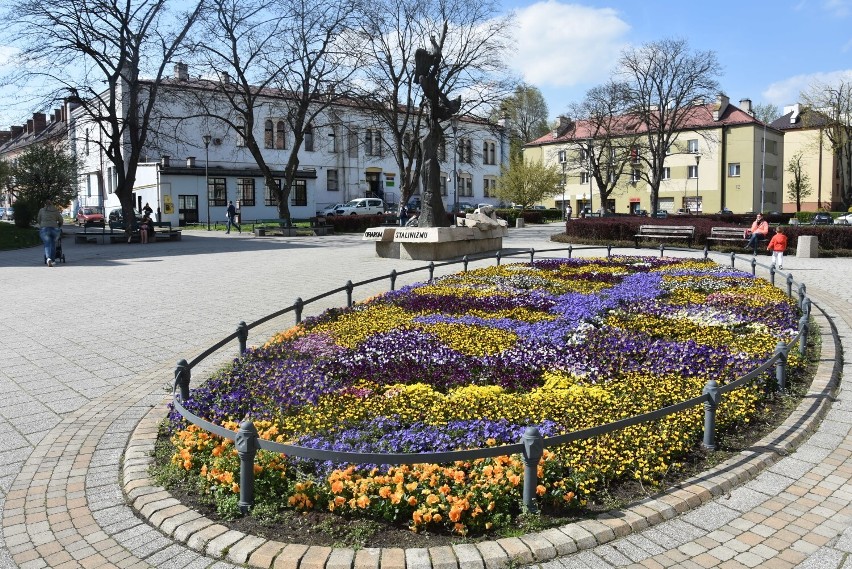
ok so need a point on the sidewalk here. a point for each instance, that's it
(90, 348)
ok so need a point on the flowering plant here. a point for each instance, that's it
(470, 360)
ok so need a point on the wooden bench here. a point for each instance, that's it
(319, 225)
(163, 231)
(92, 231)
(735, 234)
(673, 232)
(263, 227)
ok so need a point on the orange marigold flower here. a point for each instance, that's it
(444, 489)
(455, 514)
(363, 502)
(235, 488)
(385, 492)
(337, 487)
(412, 501)
(432, 499)
(540, 490)
(411, 486)
(437, 518)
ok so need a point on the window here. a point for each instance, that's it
(692, 146)
(245, 191)
(489, 186)
(442, 182)
(584, 154)
(309, 138)
(584, 177)
(111, 181)
(667, 173)
(373, 142)
(352, 143)
(280, 136)
(269, 195)
(335, 145)
(563, 156)
(331, 180)
(86, 143)
(734, 169)
(268, 134)
(299, 193)
(216, 191)
(635, 175)
(465, 186)
(488, 154)
(89, 186)
(442, 151)
(770, 146)
(771, 172)
(466, 151)
(692, 172)
(241, 132)
(634, 154)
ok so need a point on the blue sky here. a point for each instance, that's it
(770, 50)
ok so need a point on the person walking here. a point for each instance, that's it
(568, 211)
(403, 215)
(778, 244)
(232, 217)
(49, 222)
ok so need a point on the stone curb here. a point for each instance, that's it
(187, 526)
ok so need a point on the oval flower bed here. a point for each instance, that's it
(471, 360)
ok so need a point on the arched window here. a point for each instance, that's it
(309, 138)
(280, 136)
(267, 134)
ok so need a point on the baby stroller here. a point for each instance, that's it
(60, 256)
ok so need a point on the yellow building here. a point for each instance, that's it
(718, 161)
(804, 133)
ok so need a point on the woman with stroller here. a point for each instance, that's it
(49, 223)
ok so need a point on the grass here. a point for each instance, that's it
(13, 237)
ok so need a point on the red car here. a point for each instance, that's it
(90, 215)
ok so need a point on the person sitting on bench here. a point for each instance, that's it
(759, 230)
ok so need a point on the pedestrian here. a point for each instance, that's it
(403, 215)
(568, 212)
(49, 223)
(759, 230)
(232, 217)
(778, 244)
(144, 226)
(147, 210)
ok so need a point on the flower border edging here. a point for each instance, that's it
(164, 512)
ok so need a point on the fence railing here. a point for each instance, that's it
(532, 443)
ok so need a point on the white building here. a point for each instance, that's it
(344, 156)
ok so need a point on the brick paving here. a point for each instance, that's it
(89, 354)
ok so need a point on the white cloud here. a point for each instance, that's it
(562, 45)
(787, 91)
(838, 8)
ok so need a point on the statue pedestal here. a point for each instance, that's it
(435, 243)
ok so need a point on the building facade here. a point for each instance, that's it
(724, 158)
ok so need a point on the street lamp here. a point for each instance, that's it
(563, 159)
(454, 123)
(591, 198)
(207, 139)
(763, 170)
(697, 160)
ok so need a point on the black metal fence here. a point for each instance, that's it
(532, 444)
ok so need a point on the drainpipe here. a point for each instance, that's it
(724, 188)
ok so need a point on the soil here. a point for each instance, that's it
(326, 529)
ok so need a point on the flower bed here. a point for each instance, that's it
(470, 360)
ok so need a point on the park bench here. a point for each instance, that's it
(263, 227)
(673, 232)
(319, 225)
(163, 231)
(92, 231)
(734, 234)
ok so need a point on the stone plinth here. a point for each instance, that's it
(435, 243)
(807, 247)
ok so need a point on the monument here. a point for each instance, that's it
(433, 239)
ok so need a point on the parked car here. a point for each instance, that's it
(822, 218)
(845, 219)
(684, 211)
(330, 210)
(362, 206)
(89, 214)
(725, 211)
(116, 218)
(641, 212)
(661, 214)
(6, 213)
(464, 206)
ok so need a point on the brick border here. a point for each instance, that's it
(182, 524)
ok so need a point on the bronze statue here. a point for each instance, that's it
(441, 108)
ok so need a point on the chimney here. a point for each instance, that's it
(5, 136)
(721, 104)
(39, 122)
(16, 131)
(794, 111)
(57, 115)
(190, 161)
(745, 104)
(164, 161)
(181, 71)
(29, 126)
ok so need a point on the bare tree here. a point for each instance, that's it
(607, 138)
(665, 81)
(119, 52)
(285, 59)
(833, 103)
(799, 185)
(473, 48)
(766, 112)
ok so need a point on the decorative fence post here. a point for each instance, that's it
(242, 336)
(790, 285)
(802, 290)
(662, 250)
(753, 266)
(300, 305)
(706, 251)
(349, 288)
(772, 275)
(733, 259)
(570, 250)
(431, 270)
(806, 309)
(246, 444)
(498, 258)
(803, 335)
(781, 365)
(608, 251)
(532, 255)
(393, 279)
(533, 450)
(182, 376)
(711, 389)
(465, 261)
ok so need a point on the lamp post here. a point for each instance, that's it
(591, 198)
(563, 160)
(697, 160)
(207, 139)
(763, 170)
(454, 123)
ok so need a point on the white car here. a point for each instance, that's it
(362, 206)
(330, 210)
(845, 219)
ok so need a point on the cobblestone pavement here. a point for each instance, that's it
(89, 349)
